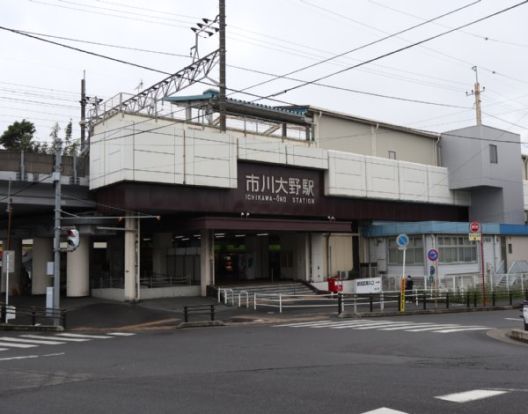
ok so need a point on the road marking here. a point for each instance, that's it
(473, 395)
(121, 334)
(384, 326)
(13, 345)
(433, 327)
(30, 341)
(463, 328)
(63, 339)
(406, 327)
(514, 319)
(30, 356)
(384, 410)
(79, 336)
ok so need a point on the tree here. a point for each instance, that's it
(18, 136)
(56, 142)
(70, 147)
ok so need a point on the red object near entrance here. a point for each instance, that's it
(333, 286)
(474, 227)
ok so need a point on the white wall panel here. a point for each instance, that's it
(346, 174)
(311, 157)
(412, 181)
(262, 150)
(525, 187)
(382, 178)
(438, 187)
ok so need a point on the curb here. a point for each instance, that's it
(31, 328)
(518, 335)
(423, 312)
(200, 324)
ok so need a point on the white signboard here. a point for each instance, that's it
(8, 261)
(370, 285)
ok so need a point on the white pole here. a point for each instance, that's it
(382, 301)
(254, 301)
(280, 303)
(7, 286)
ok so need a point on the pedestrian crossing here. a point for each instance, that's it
(457, 397)
(30, 341)
(370, 324)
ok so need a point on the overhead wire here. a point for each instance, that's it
(401, 49)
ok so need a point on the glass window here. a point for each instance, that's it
(456, 250)
(392, 155)
(414, 254)
(494, 156)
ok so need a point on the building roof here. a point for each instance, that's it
(240, 107)
(309, 109)
(440, 227)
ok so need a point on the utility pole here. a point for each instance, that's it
(57, 228)
(83, 111)
(222, 77)
(9, 211)
(476, 92)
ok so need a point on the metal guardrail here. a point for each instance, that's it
(210, 309)
(32, 315)
(383, 301)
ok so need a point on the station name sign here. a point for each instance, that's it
(280, 188)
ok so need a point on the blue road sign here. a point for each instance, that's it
(432, 255)
(402, 241)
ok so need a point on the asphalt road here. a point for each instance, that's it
(341, 366)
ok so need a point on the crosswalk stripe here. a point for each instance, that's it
(473, 395)
(121, 334)
(364, 324)
(463, 328)
(384, 410)
(387, 326)
(62, 339)
(434, 327)
(361, 325)
(30, 341)
(409, 325)
(3, 349)
(14, 345)
(338, 324)
(82, 336)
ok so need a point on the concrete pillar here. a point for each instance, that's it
(206, 261)
(42, 254)
(161, 242)
(2, 281)
(130, 260)
(16, 279)
(78, 270)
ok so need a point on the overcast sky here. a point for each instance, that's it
(41, 82)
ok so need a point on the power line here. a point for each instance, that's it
(401, 49)
(363, 46)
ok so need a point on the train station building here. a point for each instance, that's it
(169, 205)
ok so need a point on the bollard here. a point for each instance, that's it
(355, 303)
(185, 314)
(212, 313)
(424, 301)
(467, 299)
(493, 299)
(33, 317)
(511, 298)
(382, 301)
(447, 300)
(339, 303)
(371, 303)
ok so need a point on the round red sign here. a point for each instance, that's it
(474, 227)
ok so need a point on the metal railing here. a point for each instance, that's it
(417, 299)
(32, 315)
